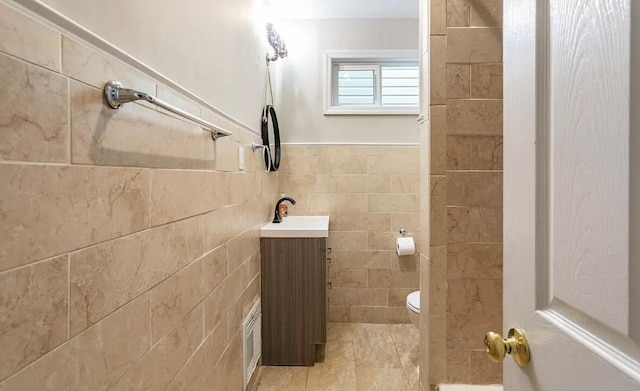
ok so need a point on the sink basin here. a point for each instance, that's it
(297, 227)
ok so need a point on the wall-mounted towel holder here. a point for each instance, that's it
(116, 95)
(266, 153)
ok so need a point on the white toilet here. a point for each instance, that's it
(413, 307)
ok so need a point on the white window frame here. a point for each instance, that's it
(382, 57)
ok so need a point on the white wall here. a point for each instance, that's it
(300, 103)
(210, 47)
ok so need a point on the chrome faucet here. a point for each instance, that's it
(277, 217)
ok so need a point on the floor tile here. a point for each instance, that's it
(371, 332)
(406, 334)
(357, 357)
(332, 377)
(410, 359)
(381, 379)
(339, 332)
(410, 370)
(466, 387)
(376, 354)
(415, 386)
(338, 352)
(283, 379)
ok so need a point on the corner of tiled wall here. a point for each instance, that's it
(130, 250)
(466, 188)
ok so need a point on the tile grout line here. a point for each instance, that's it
(182, 318)
(130, 234)
(151, 175)
(68, 297)
(152, 346)
(32, 62)
(151, 324)
(69, 123)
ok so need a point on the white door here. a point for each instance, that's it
(571, 177)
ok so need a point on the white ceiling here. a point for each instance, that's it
(344, 9)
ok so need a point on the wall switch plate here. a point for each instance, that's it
(241, 158)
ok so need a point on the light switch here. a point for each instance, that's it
(241, 158)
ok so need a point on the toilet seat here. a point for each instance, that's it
(413, 302)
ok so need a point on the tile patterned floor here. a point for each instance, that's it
(358, 357)
(466, 387)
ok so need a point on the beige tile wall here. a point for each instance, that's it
(369, 193)
(465, 281)
(129, 252)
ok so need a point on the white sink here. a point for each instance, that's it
(297, 227)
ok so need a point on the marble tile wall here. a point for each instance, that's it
(129, 252)
(465, 281)
(370, 192)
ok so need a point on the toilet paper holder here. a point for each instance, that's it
(404, 232)
(405, 244)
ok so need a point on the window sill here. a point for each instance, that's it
(371, 111)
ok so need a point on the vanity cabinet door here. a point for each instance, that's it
(294, 297)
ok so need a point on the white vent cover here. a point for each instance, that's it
(251, 341)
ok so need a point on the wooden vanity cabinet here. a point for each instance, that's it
(294, 299)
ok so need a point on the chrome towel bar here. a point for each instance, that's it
(116, 95)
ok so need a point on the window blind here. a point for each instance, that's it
(356, 87)
(399, 86)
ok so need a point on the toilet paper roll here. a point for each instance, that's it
(405, 246)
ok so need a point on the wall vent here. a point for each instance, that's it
(251, 341)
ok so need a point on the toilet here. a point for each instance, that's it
(413, 307)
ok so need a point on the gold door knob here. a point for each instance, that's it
(515, 344)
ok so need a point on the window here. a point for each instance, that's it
(381, 82)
